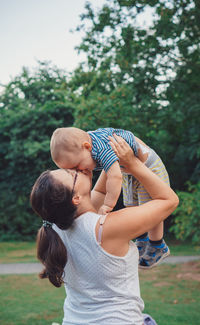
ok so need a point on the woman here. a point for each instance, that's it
(94, 255)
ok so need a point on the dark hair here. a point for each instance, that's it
(52, 201)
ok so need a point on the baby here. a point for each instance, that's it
(74, 148)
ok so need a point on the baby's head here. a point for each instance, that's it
(71, 148)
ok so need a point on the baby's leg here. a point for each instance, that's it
(156, 249)
(130, 197)
(143, 150)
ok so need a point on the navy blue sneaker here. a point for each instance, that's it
(153, 255)
(142, 244)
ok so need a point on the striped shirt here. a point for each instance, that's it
(102, 152)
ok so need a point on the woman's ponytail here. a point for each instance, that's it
(52, 201)
(53, 255)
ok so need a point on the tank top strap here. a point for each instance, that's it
(101, 221)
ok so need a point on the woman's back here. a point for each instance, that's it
(101, 288)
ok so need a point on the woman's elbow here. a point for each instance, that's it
(120, 177)
(175, 201)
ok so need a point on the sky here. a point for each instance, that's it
(32, 30)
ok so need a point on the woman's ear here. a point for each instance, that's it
(76, 199)
(87, 145)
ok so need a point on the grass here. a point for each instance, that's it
(25, 299)
(15, 252)
(25, 252)
(171, 295)
(178, 248)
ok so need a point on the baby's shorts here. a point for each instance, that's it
(134, 193)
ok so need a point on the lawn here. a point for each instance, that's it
(15, 252)
(171, 295)
(25, 252)
(25, 299)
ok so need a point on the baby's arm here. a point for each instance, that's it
(113, 188)
(99, 191)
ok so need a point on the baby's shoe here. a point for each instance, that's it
(153, 255)
(148, 320)
(141, 244)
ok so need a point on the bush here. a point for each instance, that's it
(32, 107)
(187, 215)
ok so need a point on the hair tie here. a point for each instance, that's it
(47, 224)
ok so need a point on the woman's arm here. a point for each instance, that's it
(131, 222)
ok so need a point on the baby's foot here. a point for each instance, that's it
(141, 244)
(153, 255)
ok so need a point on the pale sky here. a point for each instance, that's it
(32, 30)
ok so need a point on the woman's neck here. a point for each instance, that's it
(86, 207)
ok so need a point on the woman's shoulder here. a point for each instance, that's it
(82, 228)
(88, 221)
(89, 215)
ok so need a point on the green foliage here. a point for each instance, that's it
(141, 77)
(178, 29)
(156, 67)
(115, 109)
(32, 106)
(187, 215)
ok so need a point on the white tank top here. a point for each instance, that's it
(101, 288)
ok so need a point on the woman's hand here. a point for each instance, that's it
(123, 151)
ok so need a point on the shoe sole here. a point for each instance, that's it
(155, 264)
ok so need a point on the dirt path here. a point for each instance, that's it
(28, 268)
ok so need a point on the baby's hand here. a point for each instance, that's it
(104, 209)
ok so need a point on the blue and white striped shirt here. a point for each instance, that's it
(102, 152)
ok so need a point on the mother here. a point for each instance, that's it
(94, 255)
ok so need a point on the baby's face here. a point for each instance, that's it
(81, 160)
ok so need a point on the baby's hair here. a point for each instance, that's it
(66, 140)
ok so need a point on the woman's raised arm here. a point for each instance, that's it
(133, 221)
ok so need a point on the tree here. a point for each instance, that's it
(119, 70)
(137, 76)
(178, 30)
(144, 77)
(32, 106)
